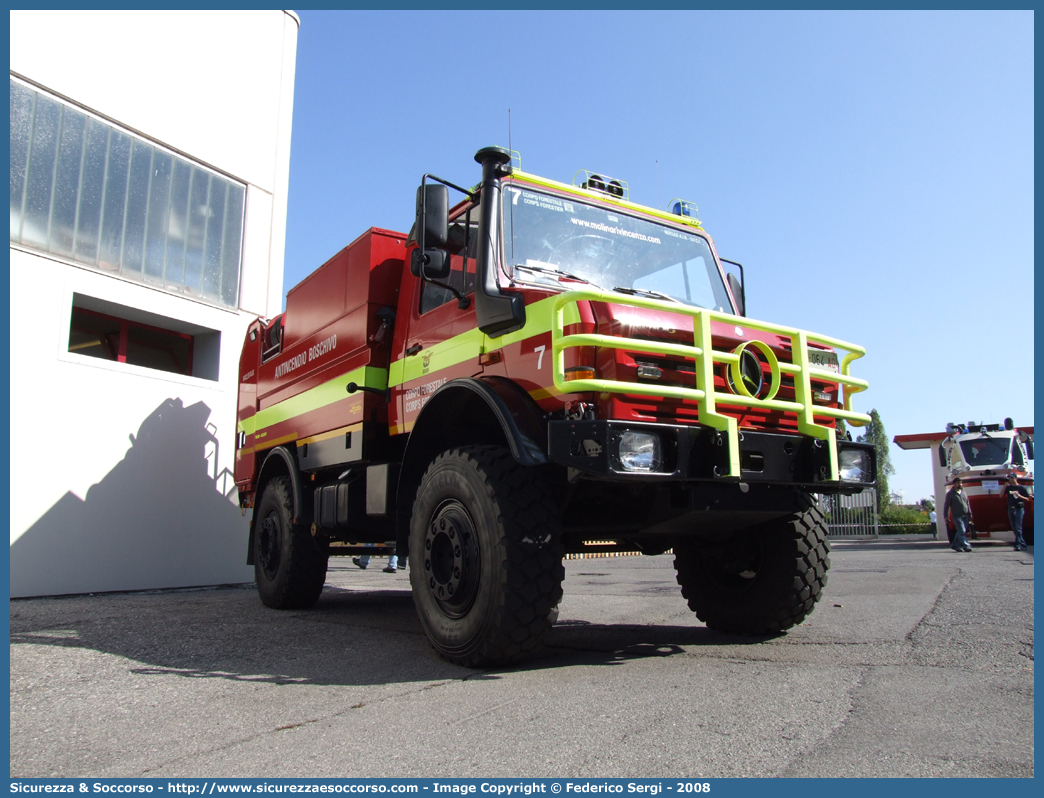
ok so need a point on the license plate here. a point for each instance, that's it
(990, 486)
(827, 360)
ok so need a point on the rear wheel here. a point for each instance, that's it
(288, 567)
(757, 581)
(486, 559)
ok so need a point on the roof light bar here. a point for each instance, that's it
(602, 184)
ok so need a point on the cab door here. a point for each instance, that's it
(441, 339)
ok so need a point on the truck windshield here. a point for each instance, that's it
(546, 234)
(986, 451)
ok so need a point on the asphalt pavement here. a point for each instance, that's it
(918, 662)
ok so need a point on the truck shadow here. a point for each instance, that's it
(610, 644)
(161, 517)
(351, 637)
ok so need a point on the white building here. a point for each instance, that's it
(150, 155)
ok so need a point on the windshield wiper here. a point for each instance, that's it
(555, 272)
(648, 293)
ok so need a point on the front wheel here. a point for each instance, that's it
(289, 569)
(757, 581)
(486, 559)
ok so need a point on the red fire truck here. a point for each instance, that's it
(537, 367)
(982, 455)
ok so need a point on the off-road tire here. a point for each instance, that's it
(759, 581)
(289, 568)
(486, 556)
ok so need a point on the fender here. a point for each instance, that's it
(465, 411)
(520, 419)
(279, 461)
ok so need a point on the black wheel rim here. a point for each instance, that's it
(734, 568)
(270, 545)
(451, 559)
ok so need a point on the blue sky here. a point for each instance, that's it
(872, 171)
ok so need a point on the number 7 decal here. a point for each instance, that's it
(540, 349)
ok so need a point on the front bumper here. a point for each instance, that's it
(697, 453)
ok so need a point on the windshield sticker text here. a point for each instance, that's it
(545, 202)
(676, 234)
(605, 228)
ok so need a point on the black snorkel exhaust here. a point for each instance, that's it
(497, 313)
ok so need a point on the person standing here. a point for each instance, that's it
(1017, 496)
(959, 509)
(394, 563)
(935, 529)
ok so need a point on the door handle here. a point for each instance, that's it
(414, 349)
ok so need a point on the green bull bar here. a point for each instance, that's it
(704, 395)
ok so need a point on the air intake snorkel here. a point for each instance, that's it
(497, 313)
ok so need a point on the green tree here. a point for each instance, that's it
(875, 434)
(896, 520)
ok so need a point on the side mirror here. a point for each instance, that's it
(433, 215)
(737, 292)
(1029, 449)
(436, 264)
(942, 457)
(736, 284)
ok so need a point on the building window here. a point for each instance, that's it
(107, 331)
(110, 338)
(85, 190)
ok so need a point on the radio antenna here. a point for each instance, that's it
(512, 207)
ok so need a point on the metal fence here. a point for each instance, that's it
(851, 516)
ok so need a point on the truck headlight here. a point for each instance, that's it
(639, 451)
(853, 465)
